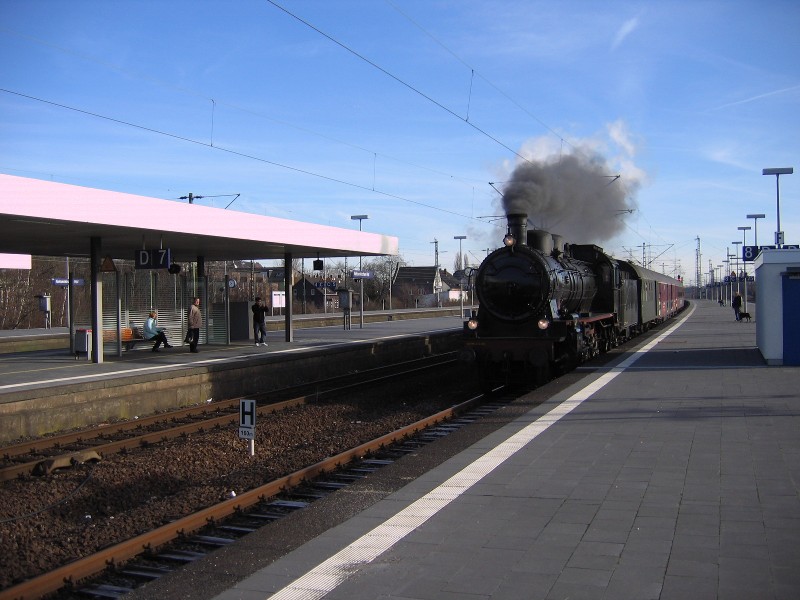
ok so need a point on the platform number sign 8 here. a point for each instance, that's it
(749, 253)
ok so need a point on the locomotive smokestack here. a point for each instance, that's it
(518, 227)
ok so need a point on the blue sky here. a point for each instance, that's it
(408, 110)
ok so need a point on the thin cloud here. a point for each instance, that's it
(758, 97)
(627, 28)
(729, 154)
(619, 134)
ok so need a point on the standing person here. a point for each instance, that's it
(195, 322)
(259, 322)
(737, 306)
(153, 332)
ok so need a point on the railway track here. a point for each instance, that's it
(256, 506)
(44, 455)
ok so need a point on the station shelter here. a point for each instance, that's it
(132, 268)
(778, 293)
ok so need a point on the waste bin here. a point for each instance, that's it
(83, 342)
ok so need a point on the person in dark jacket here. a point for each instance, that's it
(259, 322)
(737, 306)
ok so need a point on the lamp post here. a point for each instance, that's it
(737, 253)
(726, 269)
(778, 171)
(734, 269)
(719, 283)
(391, 275)
(461, 258)
(360, 218)
(744, 231)
(755, 218)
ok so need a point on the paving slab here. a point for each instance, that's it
(674, 474)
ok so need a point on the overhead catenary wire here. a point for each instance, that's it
(397, 79)
(474, 72)
(466, 119)
(215, 102)
(235, 153)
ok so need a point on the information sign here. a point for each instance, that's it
(749, 253)
(160, 258)
(64, 281)
(247, 419)
(277, 299)
(247, 423)
(273, 274)
(363, 275)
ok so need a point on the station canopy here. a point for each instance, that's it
(45, 218)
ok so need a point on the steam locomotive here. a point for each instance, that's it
(546, 306)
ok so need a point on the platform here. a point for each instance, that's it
(46, 391)
(670, 472)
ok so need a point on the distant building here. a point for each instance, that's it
(306, 290)
(450, 284)
(425, 286)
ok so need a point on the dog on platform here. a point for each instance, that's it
(744, 316)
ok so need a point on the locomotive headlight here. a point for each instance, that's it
(543, 324)
(509, 240)
(472, 324)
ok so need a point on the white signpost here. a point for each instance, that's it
(277, 300)
(247, 423)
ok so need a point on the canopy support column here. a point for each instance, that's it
(287, 284)
(95, 250)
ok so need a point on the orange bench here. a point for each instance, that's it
(128, 336)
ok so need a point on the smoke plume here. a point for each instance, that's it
(577, 196)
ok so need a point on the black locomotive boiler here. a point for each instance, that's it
(546, 306)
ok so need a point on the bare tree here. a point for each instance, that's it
(19, 288)
(458, 263)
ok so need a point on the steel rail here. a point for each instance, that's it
(94, 564)
(28, 467)
(153, 437)
(99, 431)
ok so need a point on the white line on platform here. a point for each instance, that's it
(328, 575)
(202, 362)
(676, 368)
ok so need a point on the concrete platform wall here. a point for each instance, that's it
(41, 411)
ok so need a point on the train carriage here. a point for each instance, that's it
(660, 296)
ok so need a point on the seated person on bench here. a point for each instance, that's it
(153, 332)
